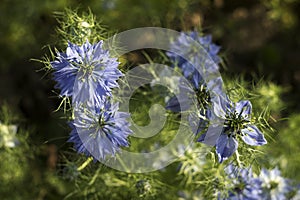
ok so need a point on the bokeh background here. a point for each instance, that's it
(259, 38)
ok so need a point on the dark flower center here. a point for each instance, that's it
(273, 185)
(104, 123)
(203, 97)
(240, 187)
(235, 122)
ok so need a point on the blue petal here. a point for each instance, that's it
(197, 124)
(201, 138)
(225, 147)
(212, 135)
(187, 69)
(173, 105)
(244, 108)
(205, 40)
(214, 49)
(197, 79)
(253, 136)
(221, 106)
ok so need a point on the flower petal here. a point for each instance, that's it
(220, 106)
(253, 136)
(244, 108)
(225, 147)
(173, 105)
(197, 123)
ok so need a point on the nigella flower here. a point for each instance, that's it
(244, 186)
(274, 185)
(101, 131)
(87, 73)
(193, 97)
(185, 44)
(237, 123)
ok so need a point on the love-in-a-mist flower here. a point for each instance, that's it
(101, 131)
(194, 97)
(274, 185)
(243, 185)
(237, 124)
(86, 73)
(185, 44)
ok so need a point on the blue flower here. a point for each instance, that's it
(99, 132)
(190, 97)
(185, 45)
(274, 185)
(237, 118)
(194, 97)
(243, 184)
(86, 73)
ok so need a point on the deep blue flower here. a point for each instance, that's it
(244, 186)
(194, 97)
(237, 118)
(99, 132)
(185, 44)
(274, 185)
(86, 73)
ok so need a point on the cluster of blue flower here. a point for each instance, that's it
(244, 184)
(236, 116)
(88, 74)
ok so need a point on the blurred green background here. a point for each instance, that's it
(258, 38)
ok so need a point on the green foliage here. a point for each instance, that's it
(77, 29)
(285, 147)
(19, 171)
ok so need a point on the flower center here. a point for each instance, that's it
(87, 69)
(203, 97)
(235, 122)
(104, 124)
(240, 187)
(273, 185)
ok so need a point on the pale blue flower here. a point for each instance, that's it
(244, 186)
(274, 186)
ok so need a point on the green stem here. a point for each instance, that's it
(81, 167)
